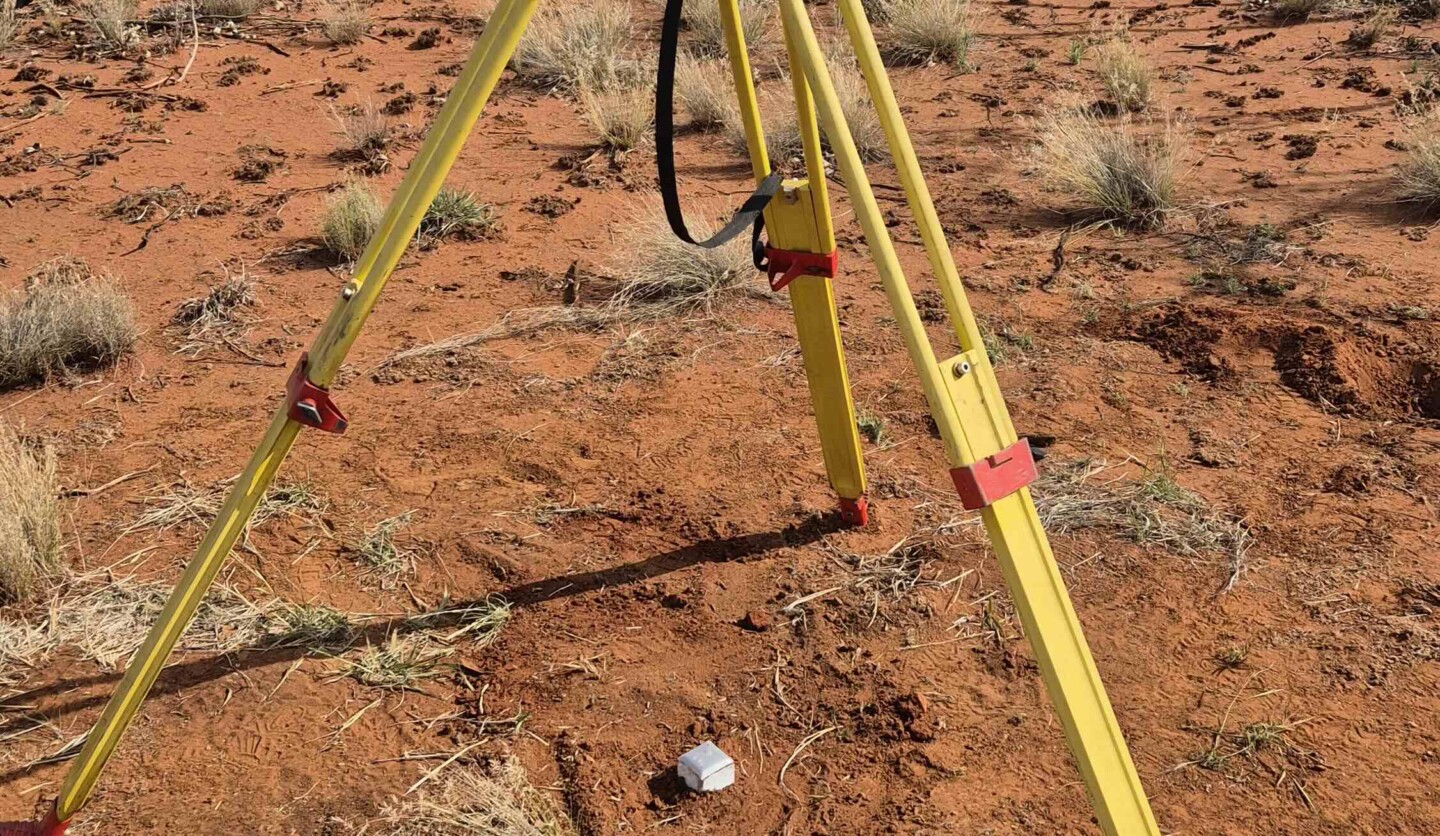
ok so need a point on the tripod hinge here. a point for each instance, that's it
(785, 266)
(995, 477)
(310, 405)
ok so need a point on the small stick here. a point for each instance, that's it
(23, 122)
(108, 485)
(290, 86)
(436, 771)
(811, 597)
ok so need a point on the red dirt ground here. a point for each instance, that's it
(1310, 412)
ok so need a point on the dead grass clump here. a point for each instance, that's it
(479, 623)
(345, 22)
(351, 220)
(218, 312)
(400, 664)
(364, 129)
(230, 9)
(312, 626)
(111, 20)
(378, 552)
(66, 317)
(29, 518)
(623, 119)
(782, 131)
(1125, 74)
(9, 23)
(496, 799)
(1155, 510)
(457, 213)
(929, 31)
(1111, 171)
(1296, 11)
(578, 47)
(705, 92)
(1373, 28)
(183, 503)
(707, 33)
(1419, 175)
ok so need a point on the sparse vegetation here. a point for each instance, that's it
(228, 9)
(351, 220)
(29, 518)
(111, 21)
(1373, 28)
(455, 212)
(364, 129)
(1125, 74)
(871, 427)
(1419, 174)
(1075, 51)
(707, 34)
(622, 119)
(66, 318)
(496, 799)
(9, 23)
(345, 22)
(704, 90)
(1296, 11)
(185, 504)
(401, 663)
(926, 31)
(782, 132)
(1111, 171)
(378, 552)
(579, 47)
(217, 312)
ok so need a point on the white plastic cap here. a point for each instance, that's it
(706, 769)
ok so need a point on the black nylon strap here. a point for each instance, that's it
(750, 214)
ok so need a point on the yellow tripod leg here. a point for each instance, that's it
(965, 399)
(307, 403)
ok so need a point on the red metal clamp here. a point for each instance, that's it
(310, 405)
(995, 477)
(788, 265)
(49, 826)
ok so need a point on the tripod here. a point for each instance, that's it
(990, 466)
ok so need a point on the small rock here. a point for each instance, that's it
(757, 621)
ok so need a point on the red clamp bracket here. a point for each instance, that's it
(995, 477)
(310, 405)
(785, 266)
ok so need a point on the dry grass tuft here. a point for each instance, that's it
(705, 92)
(29, 518)
(378, 552)
(111, 20)
(351, 220)
(9, 23)
(230, 9)
(183, 503)
(457, 213)
(707, 34)
(623, 119)
(1125, 74)
(496, 799)
(1111, 171)
(217, 313)
(1296, 11)
(579, 47)
(67, 317)
(1373, 28)
(782, 132)
(929, 31)
(365, 130)
(1419, 175)
(400, 664)
(345, 22)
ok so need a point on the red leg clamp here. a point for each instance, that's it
(995, 477)
(49, 826)
(785, 266)
(310, 405)
(855, 512)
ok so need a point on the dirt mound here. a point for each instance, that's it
(1357, 373)
(1189, 336)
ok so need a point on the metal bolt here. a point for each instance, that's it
(349, 290)
(961, 368)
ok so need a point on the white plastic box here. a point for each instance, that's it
(706, 769)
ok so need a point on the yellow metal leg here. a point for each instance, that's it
(414, 195)
(969, 410)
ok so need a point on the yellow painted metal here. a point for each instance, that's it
(965, 403)
(799, 222)
(744, 85)
(492, 52)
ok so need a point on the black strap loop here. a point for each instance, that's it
(751, 212)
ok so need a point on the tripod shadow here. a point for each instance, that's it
(177, 678)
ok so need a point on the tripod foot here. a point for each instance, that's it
(49, 826)
(855, 512)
